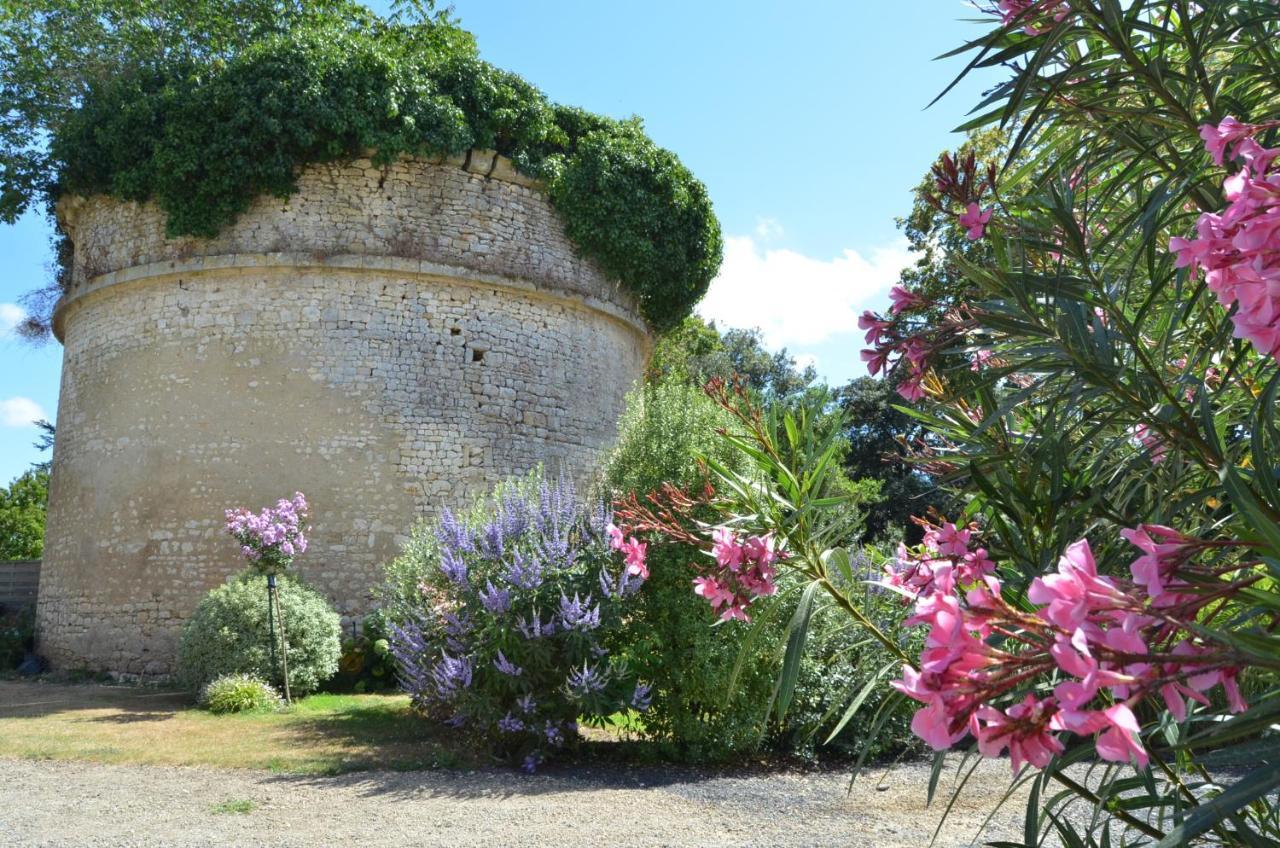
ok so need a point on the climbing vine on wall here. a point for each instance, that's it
(204, 138)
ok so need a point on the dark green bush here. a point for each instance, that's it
(17, 632)
(228, 634)
(203, 140)
(366, 664)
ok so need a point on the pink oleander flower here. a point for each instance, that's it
(715, 593)
(904, 300)
(1153, 570)
(1239, 249)
(1151, 441)
(728, 553)
(634, 556)
(615, 535)
(876, 360)
(1035, 15)
(1118, 733)
(1023, 729)
(1216, 139)
(911, 388)
(874, 325)
(979, 359)
(1076, 590)
(974, 220)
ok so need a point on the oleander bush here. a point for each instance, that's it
(695, 715)
(228, 634)
(239, 693)
(502, 619)
(713, 686)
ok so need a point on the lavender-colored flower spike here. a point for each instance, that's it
(554, 735)
(510, 724)
(535, 629)
(452, 534)
(530, 764)
(451, 675)
(495, 600)
(585, 681)
(506, 666)
(454, 567)
(526, 704)
(578, 614)
(524, 573)
(641, 697)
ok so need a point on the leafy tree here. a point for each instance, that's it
(53, 51)
(22, 514)
(697, 351)
(878, 435)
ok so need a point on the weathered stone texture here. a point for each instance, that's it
(387, 341)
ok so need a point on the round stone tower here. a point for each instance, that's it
(387, 340)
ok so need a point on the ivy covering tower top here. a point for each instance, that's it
(203, 135)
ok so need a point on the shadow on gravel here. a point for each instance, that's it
(499, 782)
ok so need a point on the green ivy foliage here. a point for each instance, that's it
(204, 138)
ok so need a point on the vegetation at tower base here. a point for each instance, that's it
(203, 132)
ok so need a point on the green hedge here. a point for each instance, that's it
(204, 139)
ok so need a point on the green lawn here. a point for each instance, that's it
(322, 734)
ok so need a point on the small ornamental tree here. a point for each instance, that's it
(269, 540)
(504, 637)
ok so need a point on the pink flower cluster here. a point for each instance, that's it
(1239, 249)
(744, 571)
(633, 552)
(272, 537)
(895, 343)
(945, 549)
(1150, 441)
(1036, 16)
(1080, 663)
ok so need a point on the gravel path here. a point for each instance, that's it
(48, 803)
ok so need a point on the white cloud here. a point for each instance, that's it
(768, 229)
(20, 412)
(11, 315)
(797, 300)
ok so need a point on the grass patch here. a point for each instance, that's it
(239, 807)
(322, 734)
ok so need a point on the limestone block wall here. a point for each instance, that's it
(387, 340)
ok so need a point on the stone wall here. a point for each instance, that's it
(387, 340)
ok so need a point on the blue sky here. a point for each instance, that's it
(805, 120)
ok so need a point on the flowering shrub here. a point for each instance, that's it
(505, 635)
(1096, 380)
(271, 538)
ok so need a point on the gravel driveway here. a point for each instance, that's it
(51, 803)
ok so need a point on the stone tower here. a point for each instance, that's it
(387, 340)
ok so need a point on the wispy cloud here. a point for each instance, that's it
(768, 229)
(798, 300)
(11, 315)
(21, 412)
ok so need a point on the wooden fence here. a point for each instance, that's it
(19, 583)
